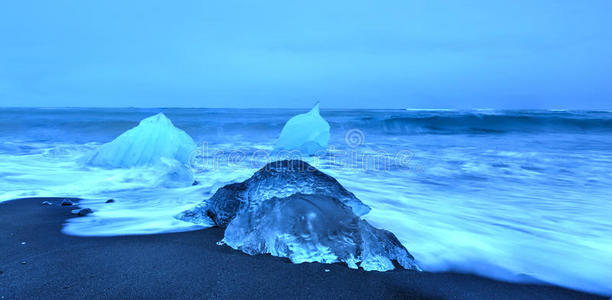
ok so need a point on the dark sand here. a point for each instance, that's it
(190, 265)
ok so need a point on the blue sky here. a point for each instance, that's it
(346, 54)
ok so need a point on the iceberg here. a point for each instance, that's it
(290, 209)
(307, 133)
(315, 228)
(277, 179)
(153, 140)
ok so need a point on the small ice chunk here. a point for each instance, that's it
(307, 133)
(146, 144)
(175, 174)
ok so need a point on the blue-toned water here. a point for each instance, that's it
(515, 195)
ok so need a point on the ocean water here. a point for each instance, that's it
(515, 195)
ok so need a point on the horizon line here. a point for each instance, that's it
(323, 108)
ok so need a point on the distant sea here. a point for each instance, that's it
(514, 195)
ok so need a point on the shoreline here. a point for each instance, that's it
(190, 265)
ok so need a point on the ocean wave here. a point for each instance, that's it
(488, 122)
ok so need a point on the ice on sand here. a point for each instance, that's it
(315, 228)
(276, 179)
(291, 209)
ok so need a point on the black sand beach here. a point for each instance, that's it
(189, 265)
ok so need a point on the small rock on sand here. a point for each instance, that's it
(82, 212)
(110, 201)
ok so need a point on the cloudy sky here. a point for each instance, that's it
(346, 54)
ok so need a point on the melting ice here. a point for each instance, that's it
(291, 209)
(153, 140)
(315, 228)
(307, 133)
(276, 179)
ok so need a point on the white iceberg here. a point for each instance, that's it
(307, 133)
(154, 140)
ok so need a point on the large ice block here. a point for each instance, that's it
(290, 209)
(315, 228)
(276, 179)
